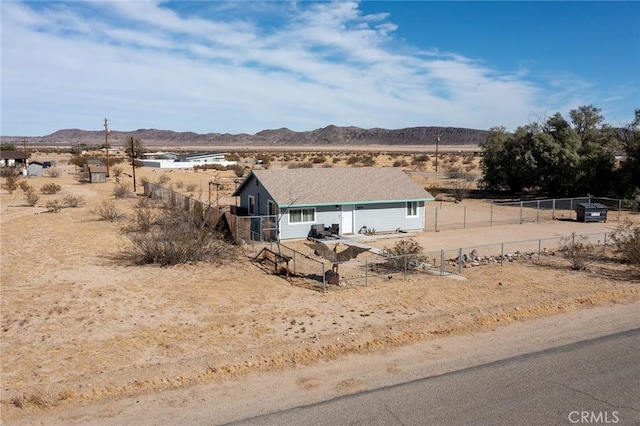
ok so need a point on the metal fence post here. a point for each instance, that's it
(441, 262)
(464, 220)
(460, 260)
(491, 216)
(619, 208)
(294, 263)
(539, 246)
(436, 219)
(521, 212)
(404, 275)
(502, 254)
(538, 211)
(553, 211)
(366, 273)
(324, 280)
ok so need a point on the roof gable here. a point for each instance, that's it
(338, 185)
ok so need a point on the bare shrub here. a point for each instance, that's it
(179, 184)
(72, 200)
(144, 180)
(163, 179)
(24, 186)
(53, 172)
(626, 239)
(178, 237)
(31, 197)
(53, 206)
(400, 163)
(116, 171)
(191, 187)
(11, 181)
(404, 254)
(121, 190)
(107, 210)
(577, 250)
(238, 170)
(50, 188)
(144, 219)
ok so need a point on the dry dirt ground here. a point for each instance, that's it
(81, 326)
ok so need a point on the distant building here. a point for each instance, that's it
(35, 168)
(97, 174)
(169, 160)
(12, 158)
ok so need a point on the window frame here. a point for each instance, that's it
(410, 207)
(301, 210)
(251, 205)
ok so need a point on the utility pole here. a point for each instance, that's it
(106, 142)
(437, 143)
(133, 165)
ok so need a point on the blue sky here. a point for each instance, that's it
(246, 66)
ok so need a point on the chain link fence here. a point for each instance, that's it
(444, 216)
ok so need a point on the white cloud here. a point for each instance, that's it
(143, 65)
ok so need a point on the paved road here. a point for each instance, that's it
(590, 382)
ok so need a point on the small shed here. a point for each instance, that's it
(97, 174)
(591, 212)
(35, 168)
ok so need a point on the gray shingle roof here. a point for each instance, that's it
(339, 185)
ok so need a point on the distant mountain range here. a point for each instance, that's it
(327, 136)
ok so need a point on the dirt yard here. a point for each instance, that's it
(81, 326)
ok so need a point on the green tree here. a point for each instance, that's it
(8, 147)
(138, 147)
(628, 174)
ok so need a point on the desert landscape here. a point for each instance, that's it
(82, 325)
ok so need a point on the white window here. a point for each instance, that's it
(252, 205)
(412, 209)
(271, 206)
(302, 215)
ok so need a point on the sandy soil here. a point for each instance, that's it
(81, 326)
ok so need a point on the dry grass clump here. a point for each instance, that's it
(107, 210)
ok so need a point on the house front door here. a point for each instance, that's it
(347, 219)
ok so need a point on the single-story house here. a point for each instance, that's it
(12, 158)
(353, 198)
(35, 168)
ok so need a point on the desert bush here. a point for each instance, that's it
(31, 197)
(179, 184)
(72, 200)
(50, 188)
(400, 163)
(177, 237)
(191, 187)
(144, 180)
(53, 172)
(163, 179)
(238, 170)
(107, 210)
(353, 159)
(232, 156)
(24, 186)
(54, 206)
(318, 159)
(405, 253)
(121, 190)
(626, 239)
(468, 159)
(457, 172)
(577, 250)
(116, 171)
(461, 190)
(336, 160)
(11, 181)
(144, 218)
(420, 159)
(305, 165)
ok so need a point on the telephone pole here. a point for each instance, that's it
(106, 142)
(133, 164)
(437, 143)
